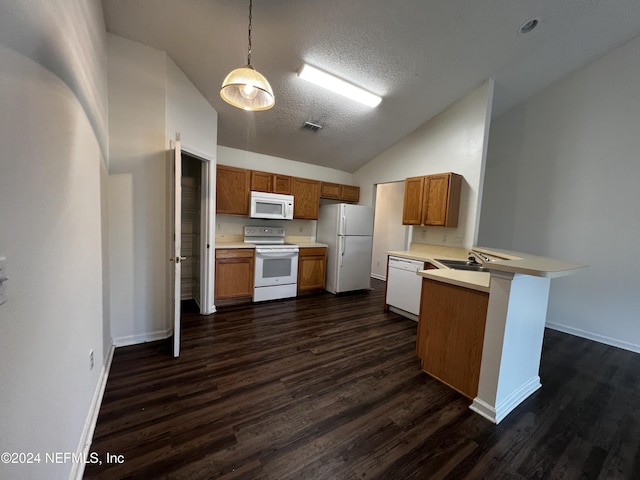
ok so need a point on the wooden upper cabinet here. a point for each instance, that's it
(330, 190)
(442, 200)
(336, 191)
(270, 182)
(413, 201)
(306, 194)
(232, 190)
(432, 200)
(282, 184)
(261, 181)
(350, 193)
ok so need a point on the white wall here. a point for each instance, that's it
(150, 99)
(53, 135)
(388, 231)
(562, 181)
(189, 113)
(137, 144)
(266, 163)
(453, 141)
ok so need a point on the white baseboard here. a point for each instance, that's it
(142, 338)
(77, 471)
(379, 277)
(594, 336)
(499, 412)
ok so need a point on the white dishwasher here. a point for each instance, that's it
(403, 286)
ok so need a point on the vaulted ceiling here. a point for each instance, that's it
(419, 55)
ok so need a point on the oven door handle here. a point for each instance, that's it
(277, 254)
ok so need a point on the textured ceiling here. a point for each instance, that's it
(420, 55)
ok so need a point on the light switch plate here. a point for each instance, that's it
(3, 280)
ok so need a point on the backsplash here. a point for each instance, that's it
(451, 237)
(229, 228)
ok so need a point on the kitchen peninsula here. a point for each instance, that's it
(496, 366)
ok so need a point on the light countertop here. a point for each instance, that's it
(501, 261)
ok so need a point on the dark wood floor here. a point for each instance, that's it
(328, 387)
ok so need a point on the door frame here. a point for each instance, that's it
(207, 227)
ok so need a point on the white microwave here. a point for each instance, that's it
(271, 205)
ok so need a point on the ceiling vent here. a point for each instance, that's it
(311, 127)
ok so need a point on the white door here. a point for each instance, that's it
(176, 240)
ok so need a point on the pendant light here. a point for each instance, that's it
(245, 87)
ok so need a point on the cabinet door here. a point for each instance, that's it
(330, 190)
(413, 201)
(306, 203)
(311, 269)
(451, 334)
(261, 181)
(234, 273)
(232, 190)
(282, 184)
(442, 200)
(349, 193)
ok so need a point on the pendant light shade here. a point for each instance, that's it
(245, 87)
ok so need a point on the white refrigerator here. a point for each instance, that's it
(348, 231)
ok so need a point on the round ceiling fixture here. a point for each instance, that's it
(528, 26)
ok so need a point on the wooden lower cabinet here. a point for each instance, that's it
(451, 334)
(234, 274)
(312, 267)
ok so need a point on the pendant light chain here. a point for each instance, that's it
(249, 55)
(245, 87)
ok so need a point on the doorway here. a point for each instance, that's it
(388, 231)
(191, 221)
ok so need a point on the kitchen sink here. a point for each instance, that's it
(462, 265)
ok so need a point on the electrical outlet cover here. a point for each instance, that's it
(3, 280)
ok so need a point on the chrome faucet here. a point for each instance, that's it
(474, 256)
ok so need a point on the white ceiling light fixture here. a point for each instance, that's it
(245, 87)
(339, 86)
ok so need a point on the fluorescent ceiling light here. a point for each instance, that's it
(337, 85)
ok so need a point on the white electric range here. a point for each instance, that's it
(276, 263)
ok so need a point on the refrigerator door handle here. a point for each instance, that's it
(342, 249)
(343, 225)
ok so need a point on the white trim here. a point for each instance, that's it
(142, 338)
(632, 347)
(77, 470)
(379, 277)
(497, 414)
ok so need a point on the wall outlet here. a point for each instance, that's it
(423, 235)
(90, 360)
(444, 239)
(459, 240)
(3, 280)
(377, 264)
